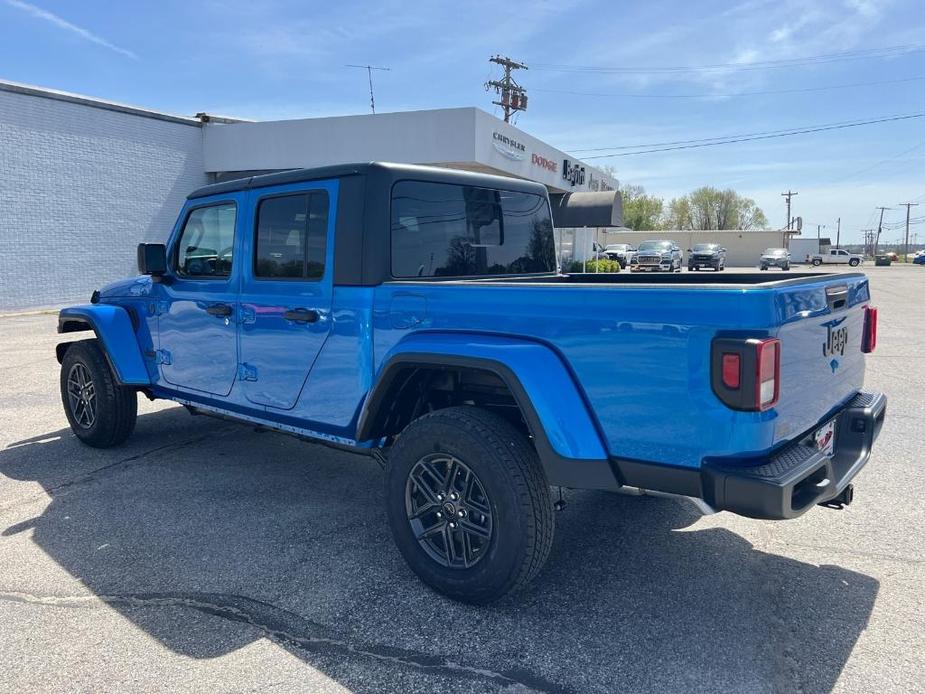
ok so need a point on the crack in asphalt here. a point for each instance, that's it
(291, 630)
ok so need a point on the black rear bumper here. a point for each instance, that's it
(799, 476)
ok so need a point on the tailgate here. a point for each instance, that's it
(822, 366)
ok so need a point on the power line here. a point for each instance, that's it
(721, 137)
(872, 53)
(898, 155)
(734, 95)
(712, 142)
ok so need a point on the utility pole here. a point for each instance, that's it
(906, 251)
(838, 233)
(369, 73)
(789, 194)
(879, 229)
(513, 96)
(868, 241)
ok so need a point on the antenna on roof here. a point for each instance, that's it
(369, 73)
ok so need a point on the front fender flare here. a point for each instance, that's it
(565, 433)
(113, 328)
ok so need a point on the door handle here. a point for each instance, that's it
(302, 315)
(223, 310)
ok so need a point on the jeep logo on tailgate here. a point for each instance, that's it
(835, 342)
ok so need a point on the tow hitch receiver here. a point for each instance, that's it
(842, 500)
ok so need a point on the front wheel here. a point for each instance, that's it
(786, 267)
(101, 412)
(469, 504)
(854, 262)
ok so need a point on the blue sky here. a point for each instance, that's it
(284, 59)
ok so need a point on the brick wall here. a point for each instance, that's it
(80, 186)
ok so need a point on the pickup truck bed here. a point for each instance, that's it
(641, 351)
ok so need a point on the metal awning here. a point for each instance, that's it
(603, 209)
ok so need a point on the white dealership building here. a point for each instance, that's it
(82, 180)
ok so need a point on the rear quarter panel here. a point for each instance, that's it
(641, 354)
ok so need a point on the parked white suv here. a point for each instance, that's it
(836, 256)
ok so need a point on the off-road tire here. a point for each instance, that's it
(116, 407)
(509, 470)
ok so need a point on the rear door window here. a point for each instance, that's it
(447, 230)
(291, 237)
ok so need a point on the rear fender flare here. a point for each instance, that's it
(565, 433)
(113, 327)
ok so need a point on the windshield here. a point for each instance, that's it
(655, 246)
(776, 251)
(616, 246)
(701, 247)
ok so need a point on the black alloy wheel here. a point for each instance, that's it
(81, 396)
(468, 503)
(101, 412)
(449, 511)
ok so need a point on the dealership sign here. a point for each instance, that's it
(543, 162)
(508, 146)
(574, 173)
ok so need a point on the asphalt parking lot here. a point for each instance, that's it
(203, 556)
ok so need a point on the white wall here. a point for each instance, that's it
(80, 186)
(416, 137)
(458, 137)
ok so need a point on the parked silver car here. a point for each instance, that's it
(657, 256)
(775, 257)
(621, 252)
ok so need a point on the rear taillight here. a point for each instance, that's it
(746, 372)
(732, 371)
(767, 378)
(869, 340)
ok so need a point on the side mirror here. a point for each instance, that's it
(152, 259)
(689, 250)
(722, 250)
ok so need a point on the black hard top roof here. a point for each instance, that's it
(385, 169)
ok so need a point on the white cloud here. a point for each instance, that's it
(61, 23)
(867, 8)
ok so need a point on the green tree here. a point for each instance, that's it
(711, 208)
(641, 211)
(678, 215)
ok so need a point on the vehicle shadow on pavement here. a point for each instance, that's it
(196, 519)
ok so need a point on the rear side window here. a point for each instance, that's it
(207, 242)
(446, 230)
(291, 236)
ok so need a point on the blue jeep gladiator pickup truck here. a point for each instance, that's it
(419, 314)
